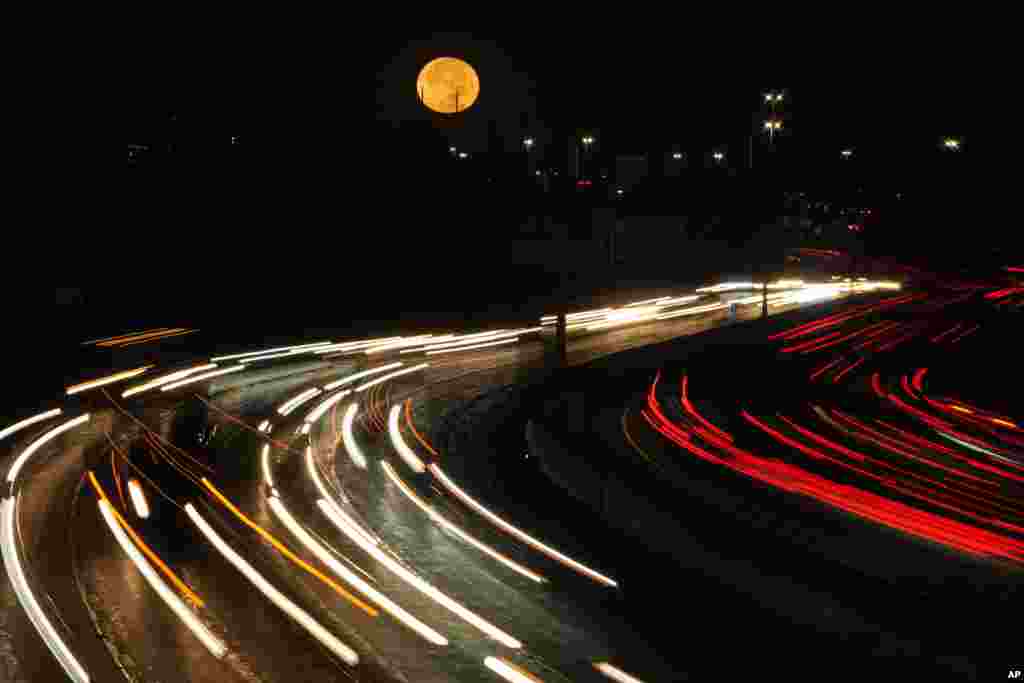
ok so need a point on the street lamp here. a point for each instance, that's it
(951, 144)
(587, 141)
(463, 155)
(772, 126)
(528, 143)
(677, 155)
(718, 156)
(773, 98)
(846, 153)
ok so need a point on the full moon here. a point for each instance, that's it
(448, 85)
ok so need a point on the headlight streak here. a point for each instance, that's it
(322, 488)
(347, 527)
(392, 375)
(202, 377)
(359, 375)
(406, 453)
(349, 439)
(614, 673)
(138, 498)
(326, 405)
(166, 379)
(355, 346)
(521, 535)
(284, 550)
(510, 673)
(216, 646)
(474, 346)
(74, 669)
(103, 381)
(291, 404)
(265, 460)
(344, 573)
(28, 422)
(12, 474)
(266, 351)
(300, 616)
(441, 521)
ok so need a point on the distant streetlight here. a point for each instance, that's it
(718, 156)
(528, 143)
(463, 155)
(677, 155)
(773, 98)
(951, 144)
(587, 141)
(453, 150)
(846, 153)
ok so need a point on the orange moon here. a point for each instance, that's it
(448, 85)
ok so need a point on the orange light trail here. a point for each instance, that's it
(280, 547)
(182, 587)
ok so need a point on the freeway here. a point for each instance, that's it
(231, 518)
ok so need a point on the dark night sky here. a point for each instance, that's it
(685, 86)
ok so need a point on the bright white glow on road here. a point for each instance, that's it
(474, 346)
(103, 381)
(12, 474)
(273, 356)
(391, 375)
(349, 438)
(265, 459)
(300, 616)
(304, 429)
(356, 345)
(694, 310)
(326, 405)
(509, 672)
(617, 675)
(75, 671)
(359, 375)
(264, 425)
(322, 488)
(346, 527)
(28, 422)
(305, 347)
(295, 401)
(204, 376)
(727, 287)
(138, 497)
(648, 302)
(166, 379)
(441, 521)
(406, 341)
(347, 575)
(404, 451)
(216, 646)
(521, 535)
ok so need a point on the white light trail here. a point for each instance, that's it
(322, 488)
(441, 521)
(648, 302)
(521, 535)
(474, 346)
(326, 405)
(266, 351)
(405, 341)
(12, 473)
(295, 401)
(509, 672)
(138, 498)
(415, 581)
(391, 375)
(304, 429)
(28, 422)
(103, 381)
(349, 439)
(166, 379)
(265, 458)
(356, 345)
(404, 451)
(204, 376)
(727, 287)
(347, 575)
(300, 616)
(272, 356)
(216, 646)
(691, 311)
(364, 373)
(616, 674)
(75, 671)
(264, 425)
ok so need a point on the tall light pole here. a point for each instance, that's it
(587, 141)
